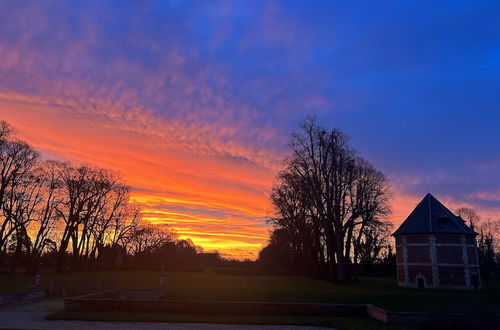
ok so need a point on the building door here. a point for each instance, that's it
(420, 283)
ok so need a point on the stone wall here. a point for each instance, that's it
(457, 321)
(128, 301)
(210, 307)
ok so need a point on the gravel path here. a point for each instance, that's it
(30, 316)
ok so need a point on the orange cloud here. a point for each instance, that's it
(171, 166)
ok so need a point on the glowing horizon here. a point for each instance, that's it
(208, 202)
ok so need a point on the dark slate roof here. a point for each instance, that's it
(430, 216)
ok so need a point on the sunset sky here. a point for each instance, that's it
(194, 101)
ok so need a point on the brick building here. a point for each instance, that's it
(436, 249)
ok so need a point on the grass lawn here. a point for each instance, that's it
(381, 291)
(15, 283)
(344, 323)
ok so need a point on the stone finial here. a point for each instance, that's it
(162, 281)
(64, 292)
(38, 281)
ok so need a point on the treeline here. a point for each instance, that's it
(330, 206)
(61, 215)
(488, 242)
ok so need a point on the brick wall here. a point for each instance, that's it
(470, 240)
(450, 255)
(420, 254)
(417, 239)
(425, 271)
(471, 255)
(443, 260)
(448, 238)
(451, 275)
(399, 255)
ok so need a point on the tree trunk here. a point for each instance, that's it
(331, 250)
(342, 263)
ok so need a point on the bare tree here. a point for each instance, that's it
(86, 195)
(469, 215)
(83, 208)
(329, 187)
(23, 193)
(324, 160)
(17, 160)
(293, 204)
(123, 226)
(6, 131)
(146, 237)
(112, 209)
(47, 180)
(371, 199)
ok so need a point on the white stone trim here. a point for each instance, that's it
(405, 261)
(439, 244)
(466, 262)
(478, 272)
(441, 264)
(422, 277)
(433, 257)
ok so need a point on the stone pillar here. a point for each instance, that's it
(52, 287)
(434, 261)
(477, 264)
(162, 281)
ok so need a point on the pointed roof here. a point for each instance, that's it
(430, 216)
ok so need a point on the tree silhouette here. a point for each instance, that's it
(327, 197)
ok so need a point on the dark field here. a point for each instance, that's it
(205, 286)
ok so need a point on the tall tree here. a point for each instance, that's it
(371, 199)
(17, 161)
(67, 209)
(291, 198)
(327, 185)
(90, 199)
(47, 181)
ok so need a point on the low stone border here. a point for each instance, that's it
(391, 317)
(21, 296)
(146, 301)
(460, 321)
(123, 301)
(120, 295)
